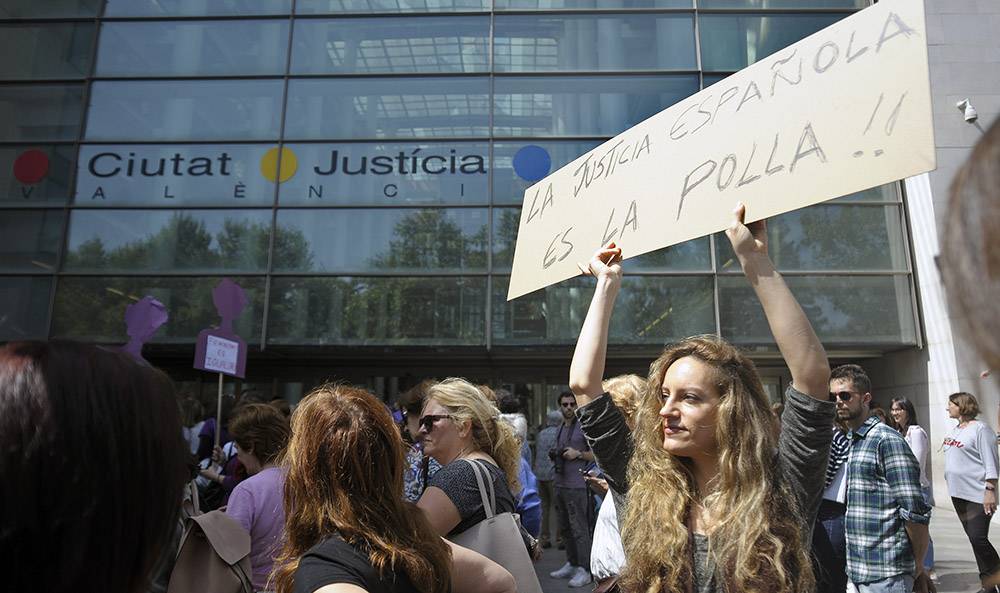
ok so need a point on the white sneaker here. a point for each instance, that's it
(567, 571)
(580, 577)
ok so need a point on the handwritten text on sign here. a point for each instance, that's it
(221, 355)
(843, 110)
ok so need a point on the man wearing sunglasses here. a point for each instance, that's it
(574, 504)
(886, 520)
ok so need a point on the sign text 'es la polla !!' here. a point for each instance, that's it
(845, 109)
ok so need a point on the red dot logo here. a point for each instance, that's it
(31, 166)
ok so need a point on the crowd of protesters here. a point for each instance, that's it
(688, 480)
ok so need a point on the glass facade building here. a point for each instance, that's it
(358, 167)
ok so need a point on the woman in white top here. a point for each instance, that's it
(905, 417)
(970, 467)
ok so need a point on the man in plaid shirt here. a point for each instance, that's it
(887, 518)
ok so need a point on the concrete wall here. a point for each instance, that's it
(964, 56)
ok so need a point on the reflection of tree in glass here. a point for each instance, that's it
(430, 239)
(834, 237)
(377, 310)
(185, 244)
(392, 310)
(92, 307)
(506, 223)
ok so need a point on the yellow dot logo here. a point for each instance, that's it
(273, 171)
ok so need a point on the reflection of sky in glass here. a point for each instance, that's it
(336, 6)
(195, 8)
(375, 108)
(184, 110)
(583, 105)
(388, 45)
(181, 48)
(593, 43)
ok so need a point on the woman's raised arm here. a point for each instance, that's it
(586, 373)
(801, 349)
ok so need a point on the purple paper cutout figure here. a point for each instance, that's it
(220, 350)
(142, 319)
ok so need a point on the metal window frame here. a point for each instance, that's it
(490, 202)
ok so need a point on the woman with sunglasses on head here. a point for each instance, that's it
(460, 423)
(348, 529)
(712, 500)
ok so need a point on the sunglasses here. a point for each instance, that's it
(427, 422)
(843, 396)
(568, 404)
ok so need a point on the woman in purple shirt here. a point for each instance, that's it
(261, 433)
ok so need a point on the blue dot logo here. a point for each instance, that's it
(532, 163)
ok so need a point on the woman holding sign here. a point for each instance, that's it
(715, 501)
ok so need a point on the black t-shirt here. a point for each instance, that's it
(336, 561)
(458, 481)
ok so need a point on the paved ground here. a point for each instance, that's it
(954, 562)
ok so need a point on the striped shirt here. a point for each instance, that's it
(883, 493)
(839, 448)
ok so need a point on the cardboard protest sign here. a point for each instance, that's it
(219, 349)
(142, 319)
(846, 109)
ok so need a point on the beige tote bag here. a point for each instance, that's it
(498, 537)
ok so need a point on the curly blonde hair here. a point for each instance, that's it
(491, 435)
(626, 391)
(755, 535)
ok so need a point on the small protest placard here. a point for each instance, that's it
(219, 349)
(142, 319)
(845, 109)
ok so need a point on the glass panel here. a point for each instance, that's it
(517, 166)
(192, 48)
(692, 255)
(733, 41)
(50, 8)
(828, 237)
(31, 239)
(57, 50)
(389, 45)
(176, 175)
(195, 7)
(40, 112)
(583, 105)
(185, 110)
(572, 4)
(338, 6)
(782, 4)
(353, 241)
(24, 307)
(377, 311)
(883, 193)
(649, 310)
(381, 174)
(91, 309)
(844, 310)
(35, 175)
(387, 108)
(169, 240)
(594, 42)
(710, 79)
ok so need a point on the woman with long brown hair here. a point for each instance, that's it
(715, 500)
(347, 526)
(93, 467)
